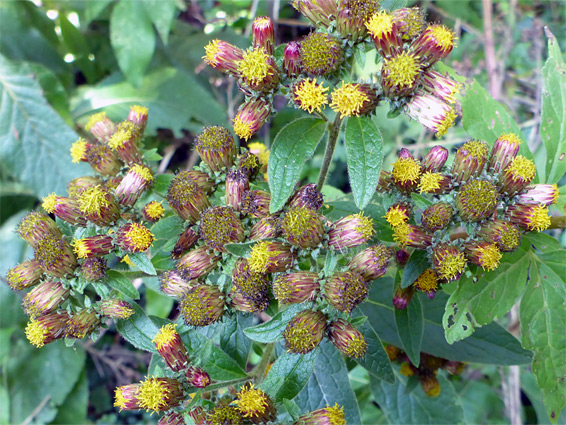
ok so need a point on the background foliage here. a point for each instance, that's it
(63, 60)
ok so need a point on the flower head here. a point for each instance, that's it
(258, 70)
(326, 415)
(398, 214)
(302, 227)
(197, 377)
(266, 228)
(504, 150)
(78, 185)
(253, 286)
(442, 87)
(55, 256)
(318, 12)
(400, 74)
(437, 216)
(350, 231)
(171, 348)
(24, 275)
(251, 116)
(305, 331)
(103, 160)
(216, 147)
(529, 217)
(354, 100)
(237, 183)
(310, 96)
(247, 305)
(93, 269)
(35, 226)
(134, 237)
(432, 112)
(93, 246)
(435, 43)
(125, 141)
(307, 196)
(384, 33)
(220, 226)
(67, 209)
(427, 282)
(470, 160)
(82, 324)
(517, 175)
(159, 394)
(45, 329)
(434, 183)
(99, 206)
(116, 309)
(410, 22)
(476, 200)
(541, 194)
(292, 59)
(345, 290)
(174, 284)
(126, 397)
(186, 198)
(408, 235)
(202, 305)
(448, 262)
(255, 405)
(78, 150)
(296, 287)
(186, 241)
(138, 115)
(352, 17)
(223, 56)
(100, 126)
(372, 262)
(502, 233)
(484, 254)
(435, 159)
(196, 263)
(133, 185)
(321, 54)
(224, 415)
(45, 298)
(153, 211)
(256, 203)
(270, 257)
(347, 339)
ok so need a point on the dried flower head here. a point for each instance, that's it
(302, 227)
(186, 198)
(197, 263)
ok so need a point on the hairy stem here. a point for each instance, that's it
(333, 132)
(259, 372)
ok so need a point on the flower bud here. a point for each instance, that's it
(347, 339)
(251, 116)
(402, 296)
(197, 377)
(171, 348)
(256, 203)
(504, 150)
(134, 237)
(100, 126)
(393, 352)
(202, 305)
(295, 288)
(292, 59)
(445, 88)
(24, 275)
(79, 149)
(248, 163)
(138, 115)
(263, 34)
(402, 257)
(224, 414)
(186, 241)
(55, 256)
(427, 282)
(372, 262)
(309, 96)
(435, 159)
(196, 263)
(434, 183)
(483, 254)
(173, 418)
(186, 198)
(258, 70)
(434, 44)
(354, 100)
(344, 291)
(67, 209)
(153, 211)
(173, 284)
(160, 394)
(78, 185)
(517, 175)
(321, 54)
(406, 172)
(476, 200)
(302, 227)
(253, 286)
(437, 216)
(430, 384)
(103, 160)
(448, 262)
(324, 416)
(400, 75)
(246, 305)
(255, 405)
(469, 161)
(99, 206)
(43, 330)
(409, 22)
(386, 182)
(116, 309)
(216, 147)
(305, 331)
(220, 226)
(82, 324)
(384, 33)
(414, 236)
(271, 257)
(398, 213)
(134, 184)
(126, 397)
(223, 56)
(45, 298)
(502, 233)
(433, 113)
(36, 226)
(540, 194)
(350, 231)
(93, 246)
(93, 269)
(307, 197)
(529, 217)
(266, 228)
(352, 17)
(318, 12)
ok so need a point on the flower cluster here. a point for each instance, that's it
(476, 209)
(310, 72)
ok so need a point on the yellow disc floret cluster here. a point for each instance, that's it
(402, 70)
(406, 170)
(311, 96)
(348, 100)
(254, 66)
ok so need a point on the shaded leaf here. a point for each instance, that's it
(418, 263)
(292, 147)
(121, 283)
(161, 13)
(234, 341)
(142, 261)
(410, 326)
(138, 329)
(364, 150)
(74, 408)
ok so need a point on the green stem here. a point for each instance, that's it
(334, 131)
(224, 384)
(259, 372)
(324, 117)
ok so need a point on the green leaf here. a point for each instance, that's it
(292, 147)
(393, 4)
(288, 375)
(485, 118)
(364, 150)
(121, 283)
(410, 325)
(34, 139)
(164, 91)
(543, 320)
(162, 182)
(375, 361)
(490, 344)
(480, 299)
(271, 331)
(132, 39)
(41, 376)
(166, 232)
(234, 341)
(530, 387)
(138, 329)
(157, 304)
(553, 115)
(77, 45)
(74, 409)
(240, 249)
(418, 263)
(4, 406)
(95, 8)
(416, 407)
(141, 260)
(161, 13)
(329, 384)
(421, 201)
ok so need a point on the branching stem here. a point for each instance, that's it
(259, 372)
(333, 133)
